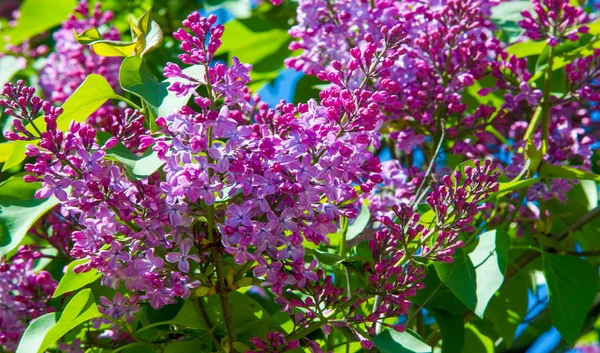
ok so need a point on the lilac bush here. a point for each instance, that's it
(437, 158)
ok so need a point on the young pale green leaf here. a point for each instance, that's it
(572, 288)
(360, 223)
(146, 35)
(554, 171)
(17, 216)
(475, 277)
(452, 329)
(390, 341)
(34, 333)
(80, 309)
(37, 16)
(136, 77)
(72, 281)
(146, 31)
(93, 92)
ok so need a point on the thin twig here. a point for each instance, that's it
(418, 195)
(206, 322)
(529, 256)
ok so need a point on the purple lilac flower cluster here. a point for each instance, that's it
(24, 295)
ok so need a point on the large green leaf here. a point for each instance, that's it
(37, 16)
(261, 39)
(172, 103)
(36, 331)
(72, 281)
(46, 331)
(360, 223)
(9, 65)
(506, 17)
(79, 310)
(572, 288)
(529, 48)
(475, 277)
(563, 172)
(93, 92)
(508, 307)
(17, 153)
(452, 329)
(476, 341)
(136, 77)
(437, 296)
(391, 341)
(17, 216)
(136, 167)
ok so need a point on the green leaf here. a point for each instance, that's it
(72, 281)
(37, 16)
(17, 216)
(529, 48)
(554, 171)
(172, 103)
(436, 295)
(9, 66)
(476, 341)
(6, 150)
(506, 17)
(136, 77)
(360, 223)
(146, 35)
(306, 88)
(452, 329)
(46, 332)
(93, 92)
(104, 47)
(15, 188)
(136, 167)
(249, 319)
(390, 341)
(572, 288)
(35, 332)
(475, 277)
(325, 258)
(262, 38)
(508, 308)
(17, 154)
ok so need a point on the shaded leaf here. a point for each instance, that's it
(572, 288)
(452, 329)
